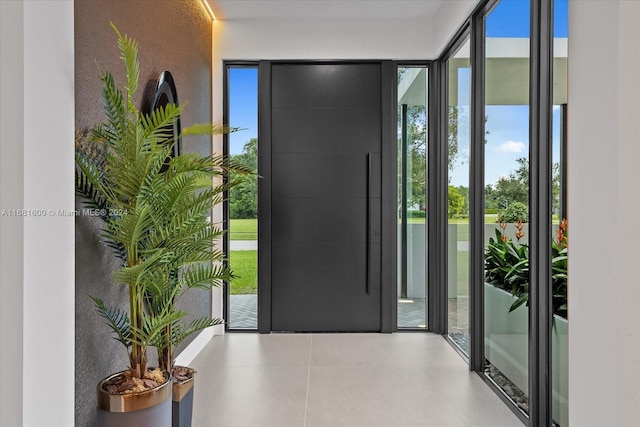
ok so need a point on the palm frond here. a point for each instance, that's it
(91, 197)
(209, 129)
(204, 276)
(179, 332)
(132, 275)
(114, 108)
(153, 327)
(117, 319)
(155, 124)
(129, 51)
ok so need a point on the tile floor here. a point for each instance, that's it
(331, 380)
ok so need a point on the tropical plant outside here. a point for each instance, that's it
(506, 265)
(156, 215)
(243, 198)
(516, 211)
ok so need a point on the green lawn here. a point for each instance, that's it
(244, 265)
(247, 229)
(243, 229)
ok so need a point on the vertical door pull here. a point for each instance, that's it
(368, 263)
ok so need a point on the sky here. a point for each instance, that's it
(508, 126)
(243, 106)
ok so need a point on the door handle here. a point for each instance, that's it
(368, 231)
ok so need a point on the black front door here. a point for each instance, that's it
(325, 185)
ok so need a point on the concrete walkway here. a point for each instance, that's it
(411, 313)
(243, 245)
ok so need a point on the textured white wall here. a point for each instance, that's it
(604, 201)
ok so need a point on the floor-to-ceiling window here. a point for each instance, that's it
(517, 197)
(242, 199)
(412, 195)
(458, 136)
(506, 199)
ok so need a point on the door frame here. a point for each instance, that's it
(226, 238)
(389, 176)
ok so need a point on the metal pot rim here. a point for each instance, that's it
(130, 402)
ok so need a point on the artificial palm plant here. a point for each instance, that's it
(192, 259)
(156, 219)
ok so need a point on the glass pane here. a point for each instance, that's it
(412, 193)
(243, 199)
(559, 239)
(506, 199)
(458, 138)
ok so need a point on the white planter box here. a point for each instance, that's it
(507, 345)
(417, 260)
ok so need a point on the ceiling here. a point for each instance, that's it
(324, 9)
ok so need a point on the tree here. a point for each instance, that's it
(417, 151)
(490, 198)
(455, 119)
(456, 202)
(417, 147)
(515, 187)
(243, 198)
(464, 192)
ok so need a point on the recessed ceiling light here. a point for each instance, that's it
(206, 5)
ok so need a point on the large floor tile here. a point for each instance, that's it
(399, 349)
(375, 396)
(484, 410)
(248, 349)
(261, 396)
(340, 380)
(452, 381)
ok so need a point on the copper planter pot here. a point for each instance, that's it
(150, 408)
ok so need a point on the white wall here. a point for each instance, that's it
(449, 18)
(604, 195)
(254, 39)
(11, 197)
(325, 39)
(38, 312)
